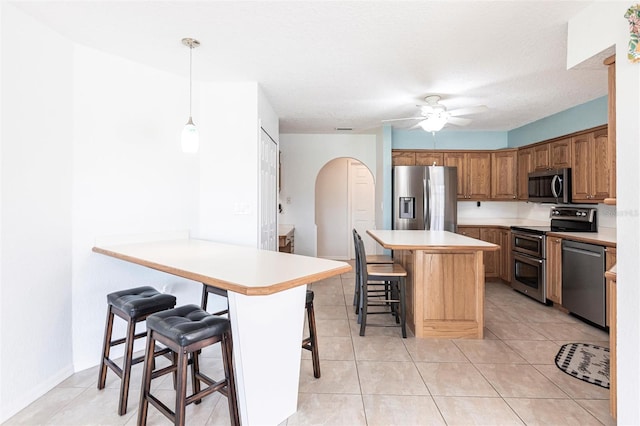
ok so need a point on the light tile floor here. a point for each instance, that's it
(381, 379)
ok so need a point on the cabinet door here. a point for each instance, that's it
(457, 159)
(554, 269)
(541, 157)
(403, 158)
(600, 166)
(429, 158)
(505, 248)
(478, 175)
(491, 258)
(469, 231)
(580, 167)
(525, 166)
(504, 171)
(560, 153)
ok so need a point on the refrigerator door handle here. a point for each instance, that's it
(426, 206)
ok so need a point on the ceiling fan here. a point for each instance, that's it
(434, 116)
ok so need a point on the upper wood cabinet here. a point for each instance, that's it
(560, 153)
(504, 171)
(474, 173)
(429, 158)
(403, 158)
(525, 166)
(541, 157)
(590, 167)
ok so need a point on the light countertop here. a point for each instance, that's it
(427, 240)
(240, 269)
(507, 223)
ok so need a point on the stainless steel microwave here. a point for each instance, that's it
(550, 186)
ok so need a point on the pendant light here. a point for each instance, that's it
(190, 139)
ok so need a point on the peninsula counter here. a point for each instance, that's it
(445, 282)
(266, 295)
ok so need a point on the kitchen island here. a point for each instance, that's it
(445, 282)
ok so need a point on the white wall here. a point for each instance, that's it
(303, 155)
(130, 177)
(36, 173)
(599, 26)
(232, 114)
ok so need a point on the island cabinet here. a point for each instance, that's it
(590, 167)
(525, 166)
(554, 269)
(474, 173)
(445, 283)
(504, 171)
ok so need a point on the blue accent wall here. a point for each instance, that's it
(581, 117)
(447, 139)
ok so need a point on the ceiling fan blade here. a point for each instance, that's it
(469, 110)
(415, 126)
(406, 118)
(459, 121)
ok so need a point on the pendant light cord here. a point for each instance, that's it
(190, 78)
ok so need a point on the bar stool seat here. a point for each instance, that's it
(133, 305)
(186, 330)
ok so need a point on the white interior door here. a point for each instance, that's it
(268, 192)
(362, 205)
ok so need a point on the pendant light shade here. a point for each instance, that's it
(190, 139)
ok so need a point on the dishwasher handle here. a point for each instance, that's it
(581, 251)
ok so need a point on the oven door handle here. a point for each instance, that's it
(526, 259)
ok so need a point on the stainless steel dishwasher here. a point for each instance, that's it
(583, 285)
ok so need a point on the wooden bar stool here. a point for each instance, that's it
(132, 305)
(373, 259)
(186, 330)
(389, 291)
(311, 343)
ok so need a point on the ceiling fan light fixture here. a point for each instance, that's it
(434, 122)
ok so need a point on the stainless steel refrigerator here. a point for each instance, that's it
(425, 197)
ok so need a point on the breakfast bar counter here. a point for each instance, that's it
(445, 282)
(266, 295)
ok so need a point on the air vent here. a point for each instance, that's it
(344, 129)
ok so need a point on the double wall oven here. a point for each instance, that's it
(529, 248)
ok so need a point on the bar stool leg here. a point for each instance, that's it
(181, 391)
(126, 368)
(227, 360)
(146, 380)
(106, 348)
(315, 354)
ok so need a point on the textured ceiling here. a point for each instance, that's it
(329, 64)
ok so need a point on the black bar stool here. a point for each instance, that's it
(311, 343)
(186, 330)
(391, 293)
(132, 305)
(371, 259)
(206, 290)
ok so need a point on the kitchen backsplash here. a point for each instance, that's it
(525, 210)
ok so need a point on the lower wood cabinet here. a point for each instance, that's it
(610, 259)
(493, 260)
(554, 269)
